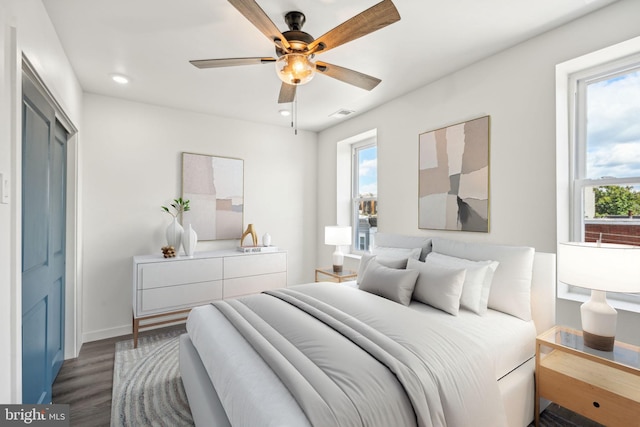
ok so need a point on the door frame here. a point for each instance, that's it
(73, 285)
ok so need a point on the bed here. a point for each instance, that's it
(362, 354)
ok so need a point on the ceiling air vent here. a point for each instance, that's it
(342, 113)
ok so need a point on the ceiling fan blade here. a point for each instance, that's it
(346, 75)
(254, 13)
(372, 19)
(230, 62)
(287, 93)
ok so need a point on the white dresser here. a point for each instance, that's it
(170, 287)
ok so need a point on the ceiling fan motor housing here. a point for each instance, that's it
(294, 20)
(297, 38)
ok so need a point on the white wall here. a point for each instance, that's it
(517, 89)
(132, 166)
(24, 29)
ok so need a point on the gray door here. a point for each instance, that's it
(43, 245)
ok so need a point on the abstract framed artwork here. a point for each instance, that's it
(453, 182)
(215, 188)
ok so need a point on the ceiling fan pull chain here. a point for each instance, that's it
(295, 113)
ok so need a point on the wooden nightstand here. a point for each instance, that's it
(603, 386)
(343, 276)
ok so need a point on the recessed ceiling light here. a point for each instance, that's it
(119, 78)
(285, 113)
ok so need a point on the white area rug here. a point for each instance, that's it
(147, 388)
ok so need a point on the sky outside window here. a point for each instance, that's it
(368, 171)
(613, 127)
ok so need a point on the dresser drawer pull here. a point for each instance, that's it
(596, 404)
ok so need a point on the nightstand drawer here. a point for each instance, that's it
(605, 394)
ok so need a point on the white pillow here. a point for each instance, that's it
(477, 281)
(391, 283)
(511, 285)
(438, 285)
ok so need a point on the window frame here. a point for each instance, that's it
(577, 112)
(355, 198)
(578, 138)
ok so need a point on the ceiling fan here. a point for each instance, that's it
(296, 49)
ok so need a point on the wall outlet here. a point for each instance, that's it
(4, 189)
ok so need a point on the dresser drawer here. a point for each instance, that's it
(251, 265)
(599, 392)
(175, 297)
(171, 273)
(253, 284)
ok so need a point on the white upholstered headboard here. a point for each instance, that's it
(543, 291)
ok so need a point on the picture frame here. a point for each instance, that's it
(214, 186)
(453, 169)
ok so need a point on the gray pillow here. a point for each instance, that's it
(438, 285)
(387, 262)
(388, 259)
(394, 284)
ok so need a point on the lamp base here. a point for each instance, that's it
(337, 268)
(598, 342)
(598, 322)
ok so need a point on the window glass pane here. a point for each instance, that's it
(367, 171)
(613, 127)
(365, 206)
(611, 213)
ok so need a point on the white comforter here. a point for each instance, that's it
(455, 387)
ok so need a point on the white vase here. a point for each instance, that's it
(266, 239)
(189, 240)
(174, 234)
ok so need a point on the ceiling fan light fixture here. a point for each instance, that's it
(295, 69)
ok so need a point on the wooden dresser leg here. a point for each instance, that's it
(136, 326)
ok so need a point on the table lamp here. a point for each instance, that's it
(337, 235)
(602, 268)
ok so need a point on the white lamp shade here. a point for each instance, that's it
(337, 235)
(603, 267)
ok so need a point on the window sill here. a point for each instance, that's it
(566, 294)
(353, 256)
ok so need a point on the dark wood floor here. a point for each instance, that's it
(85, 382)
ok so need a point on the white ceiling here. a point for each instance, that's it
(151, 41)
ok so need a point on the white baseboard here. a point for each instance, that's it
(120, 331)
(107, 333)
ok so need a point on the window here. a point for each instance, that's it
(364, 194)
(605, 158)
